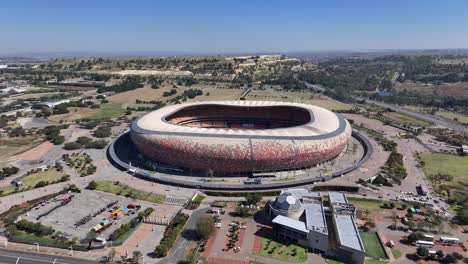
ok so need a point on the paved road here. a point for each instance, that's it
(18, 257)
(181, 244)
(436, 120)
(430, 118)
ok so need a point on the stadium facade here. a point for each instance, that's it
(241, 136)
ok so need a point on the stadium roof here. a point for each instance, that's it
(323, 123)
(291, 223)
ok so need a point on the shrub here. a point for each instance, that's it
(71, 146)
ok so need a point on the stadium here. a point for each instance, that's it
(240, 136)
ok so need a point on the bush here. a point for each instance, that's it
(102, 132)
(170, 235)
(58, 140)
(34, 228)
(41, 184)
(92, 185)
(71, 146)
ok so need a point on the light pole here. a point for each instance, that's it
(37, 246)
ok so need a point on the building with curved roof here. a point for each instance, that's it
(241, 136)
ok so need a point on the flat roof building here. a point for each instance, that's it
(304, 222)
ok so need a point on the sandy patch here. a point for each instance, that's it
(35, 153)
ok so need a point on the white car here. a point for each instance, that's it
(218, 225)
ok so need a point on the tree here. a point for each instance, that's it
(253, 198)
(205, 227)
(413, 237)
(242, 211)
(422, 251)
(90, 236)
(136, 256)
(440, 254)
(92, 185)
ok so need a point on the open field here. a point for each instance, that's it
(35, 95)
(282, 252)
(297, 97)
(210, 93)
(124, 190)
(453, 116)
(459, 89)
(372, 245)
(51, 175)
(363, 204)
(405, 119)
(452, 165)
(12, 146)
(109, 110)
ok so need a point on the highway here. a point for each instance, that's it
(433, 119)
(430, 118)
(19, 257)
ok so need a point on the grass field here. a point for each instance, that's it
(453, 116)
(121, 189)
(11, 146)
(363, 204)
(456, 166)
(30, 181)
(372, 245)
(282, 252)
(107, 111)
(405, 119)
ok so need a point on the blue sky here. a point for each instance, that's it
(230, 26)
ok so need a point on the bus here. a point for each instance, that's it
(422, 243)
(450, 240)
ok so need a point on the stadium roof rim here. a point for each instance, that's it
(323, 124)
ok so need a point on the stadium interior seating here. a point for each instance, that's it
(234, 117)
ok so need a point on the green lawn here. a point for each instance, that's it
(456, 166)
(372, 245)
(282, 252)
(405, 119)
(363, 204)
(396, 253)
(108, 111)
(199, 198)
(122, 189)
(51, 175)
(375, 261)
(332, 261)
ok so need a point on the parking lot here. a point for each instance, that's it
(66, 217)
(218, 249)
